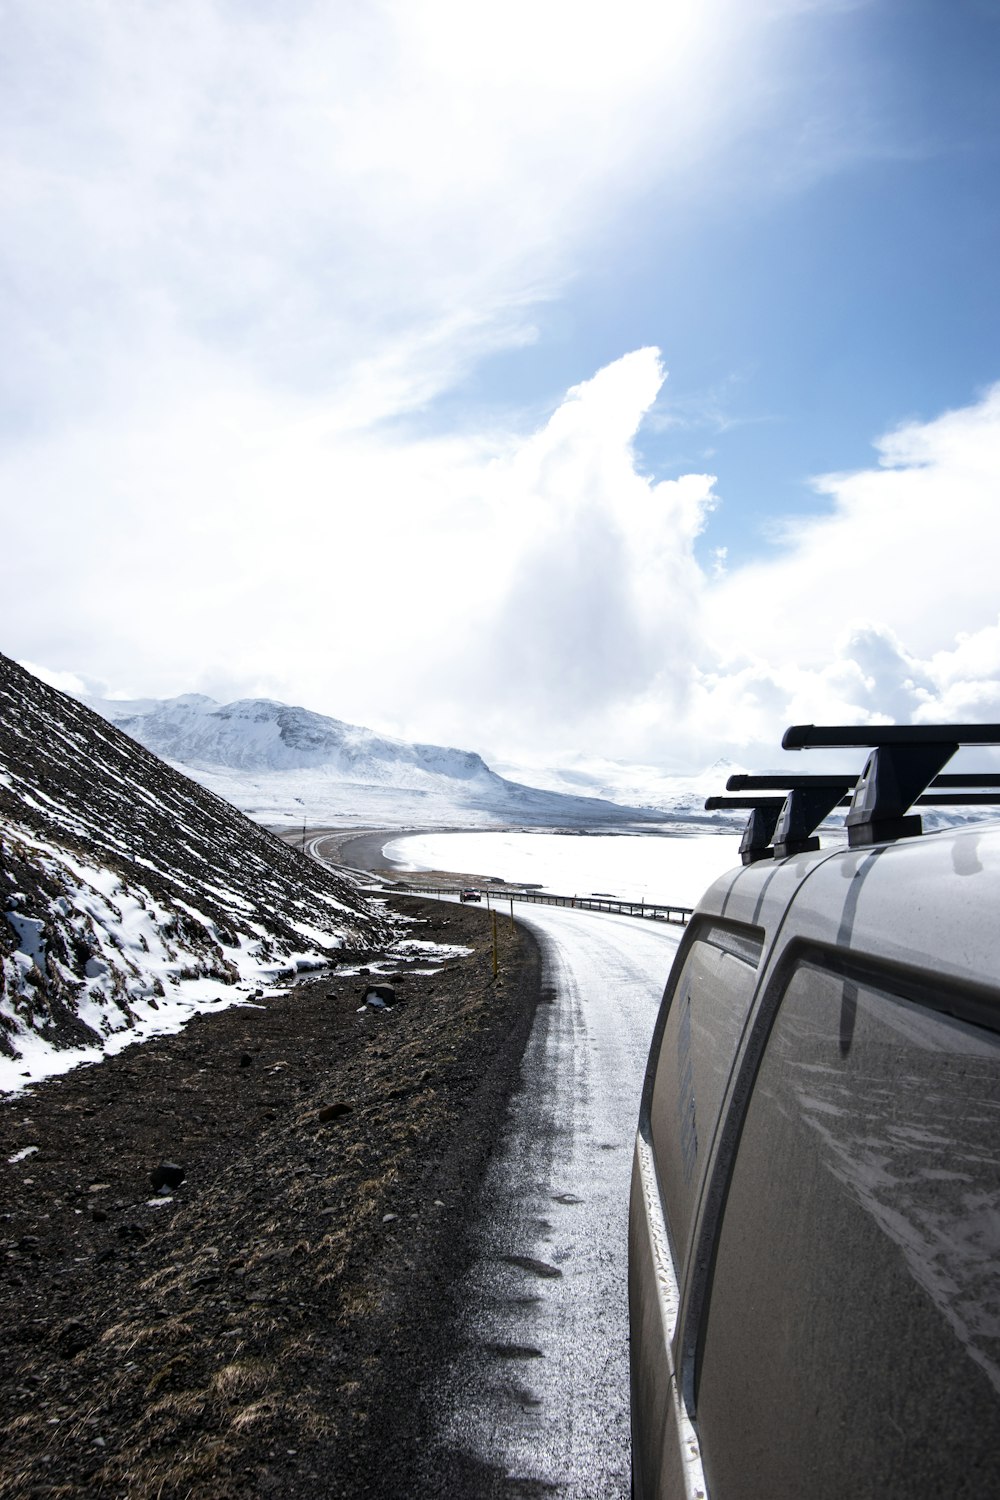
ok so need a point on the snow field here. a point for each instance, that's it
(659, 868)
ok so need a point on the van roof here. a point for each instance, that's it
(920, 903)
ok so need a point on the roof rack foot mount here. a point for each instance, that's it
(804, 810)
(893, 778)
(860, 835)
(757, 836)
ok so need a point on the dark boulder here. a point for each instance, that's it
(169, 1174)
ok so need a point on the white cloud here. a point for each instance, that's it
(881, 610)
(522, 591)
(354, 199)
(67, 682)
(603, 574)
(906, 543)
(242, 248)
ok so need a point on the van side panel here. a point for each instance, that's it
(851, 1337)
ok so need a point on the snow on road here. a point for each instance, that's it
(541, 1387)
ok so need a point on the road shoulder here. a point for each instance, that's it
(268, 1326)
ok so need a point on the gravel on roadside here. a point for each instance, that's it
(266, 1326)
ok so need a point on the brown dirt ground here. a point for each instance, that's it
(268, 1330)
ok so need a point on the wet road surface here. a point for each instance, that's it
(539, 1391)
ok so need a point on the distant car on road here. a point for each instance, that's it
(814, 1228)
(470, 895)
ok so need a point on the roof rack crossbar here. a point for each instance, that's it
(873, 736)
(736, 804)
(774, 782)
(777, 783)
(951, 780)
(959, 799)
(717, 804)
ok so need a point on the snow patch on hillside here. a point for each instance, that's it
(134, 968)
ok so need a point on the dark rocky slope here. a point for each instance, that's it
(125, 888)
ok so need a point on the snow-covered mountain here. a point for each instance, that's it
(129, 894)
(284, 765)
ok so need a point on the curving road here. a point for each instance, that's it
(538, 1397)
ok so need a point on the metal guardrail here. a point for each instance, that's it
(649, 910)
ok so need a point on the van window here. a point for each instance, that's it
(851, 1334)
(708, 1007)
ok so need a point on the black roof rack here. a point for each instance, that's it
(905, 761)
(931, 799)
(874, 736)
(774, 782)
(795, 817)
(714, 804)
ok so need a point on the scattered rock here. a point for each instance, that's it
(246, 1061)
(169, 1174)
(384, 992)
(335, 1111)
(74, 1336)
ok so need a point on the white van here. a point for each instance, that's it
(814, 1237)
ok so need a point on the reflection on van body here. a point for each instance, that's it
(877, 1172)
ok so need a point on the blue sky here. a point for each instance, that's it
(802, 316)
(545, 378)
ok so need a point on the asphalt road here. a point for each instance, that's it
(540, 1389)
(536, 1398)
